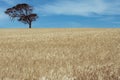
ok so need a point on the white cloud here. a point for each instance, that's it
(82, 7)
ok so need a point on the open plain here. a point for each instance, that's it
(60, 54)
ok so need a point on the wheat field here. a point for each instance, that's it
(60, 54)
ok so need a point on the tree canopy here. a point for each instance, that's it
(23, 13)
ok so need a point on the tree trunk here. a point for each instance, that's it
(30, 25)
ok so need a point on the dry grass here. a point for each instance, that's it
(60, 54)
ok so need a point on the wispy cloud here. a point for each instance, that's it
(10, 2)
(116, 22)
(2, 14)
(109, 18)
(14, 2)
(82, 7)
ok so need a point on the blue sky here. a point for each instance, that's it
(67, 13)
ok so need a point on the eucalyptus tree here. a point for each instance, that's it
(23, 13)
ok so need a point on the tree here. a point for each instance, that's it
(23, 13)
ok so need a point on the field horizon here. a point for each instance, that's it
(60, 54)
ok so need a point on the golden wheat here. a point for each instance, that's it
(60, 54)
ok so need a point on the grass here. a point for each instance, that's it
(60, 54)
